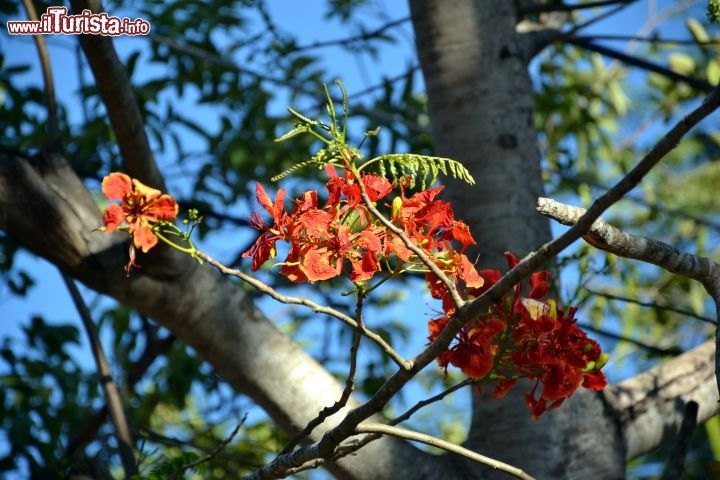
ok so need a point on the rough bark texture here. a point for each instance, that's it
(45, 207)
(481, 106)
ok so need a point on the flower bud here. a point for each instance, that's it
(396, 204)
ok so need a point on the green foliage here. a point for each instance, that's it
(338, 153)
(713, 11)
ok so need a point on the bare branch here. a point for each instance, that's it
(669, 308)
(606, 237)
(49, 84)
(537, 8)
(697, 83)
(620, 338)
(212, 454)
(112, 395)
(117, 94)
(353, 39)
(654, 40)
(442, 444)
(347, 391)
(153, 349)
(315, 307)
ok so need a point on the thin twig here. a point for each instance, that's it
(637, 38)
(565, 7)
(346, 449)
(153, 349)
(213, 453)
(442, 444)
(112, 395)
(350, 40)
(681, 311)
(49, 90)
(347, 391)
(674, 351)
(315, 307)
(697, 83)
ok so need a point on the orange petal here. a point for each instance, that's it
(116, 185)
(143, 190)
(144, 238)
(164, 208)
(113, 217)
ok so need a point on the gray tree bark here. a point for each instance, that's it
(481, 107)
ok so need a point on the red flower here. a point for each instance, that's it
(140, 208)
(264, 247)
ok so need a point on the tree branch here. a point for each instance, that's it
(153, 349)
(701, 85)
(347, 391)
(49, 90)
(350, 40)
(212, 454)
(555, 6)
(681, 311)
(442, 444)
(117, 94)
(650, 348)
(606, 237)
(112, 395)
(315, 307)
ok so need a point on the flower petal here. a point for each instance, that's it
(164, 208)
(116, 185)
(113, 217)
(142, 190)
(144, 238)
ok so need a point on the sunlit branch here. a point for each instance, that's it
(315, 307)
(606, 237)
(443, 445)
(112, 395)
(349, 384)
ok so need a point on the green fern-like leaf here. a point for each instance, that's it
(421, 167)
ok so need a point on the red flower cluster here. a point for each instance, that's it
(140, 208)
(342, 236)
(521, 337)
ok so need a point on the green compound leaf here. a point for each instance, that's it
(420, 167)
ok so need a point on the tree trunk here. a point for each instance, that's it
(481, 106)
